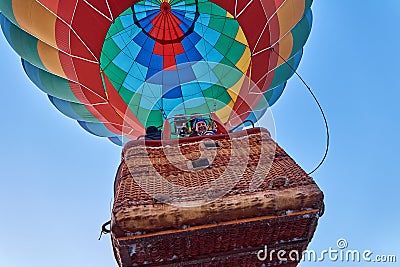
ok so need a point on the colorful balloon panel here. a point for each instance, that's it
(153, 55)
(120, 66)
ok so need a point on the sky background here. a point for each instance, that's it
(57, 180)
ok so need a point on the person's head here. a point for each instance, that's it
(200, 126)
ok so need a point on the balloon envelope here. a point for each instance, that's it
(119, 66)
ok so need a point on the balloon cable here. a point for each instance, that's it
(320, 108)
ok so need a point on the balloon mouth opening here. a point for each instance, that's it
(165, 7)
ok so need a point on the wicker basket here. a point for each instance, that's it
(211, 201)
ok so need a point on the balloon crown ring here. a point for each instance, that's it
(165, 8)
(164, 27)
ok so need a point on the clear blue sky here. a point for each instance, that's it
(57, 180)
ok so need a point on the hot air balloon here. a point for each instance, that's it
(96, 59)
(122, 67)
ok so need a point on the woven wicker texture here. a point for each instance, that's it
(253, 194)
(236, 163)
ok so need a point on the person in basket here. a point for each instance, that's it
(200, 127)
